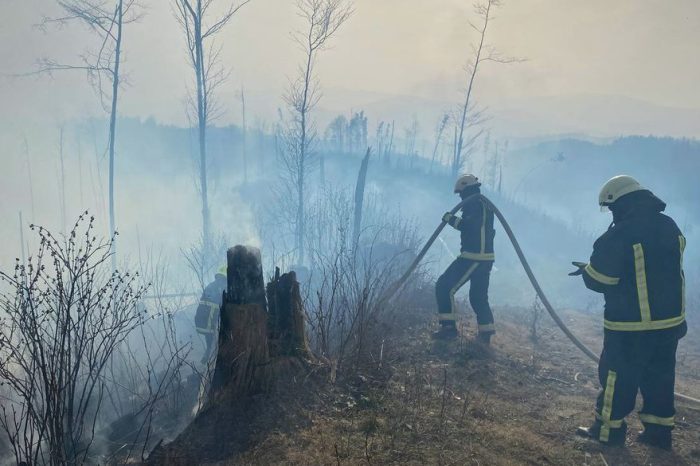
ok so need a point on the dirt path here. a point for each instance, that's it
(457, 403)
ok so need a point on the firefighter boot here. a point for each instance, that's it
(448, 331)
(484, 338)
(616, 437)
(656, 438)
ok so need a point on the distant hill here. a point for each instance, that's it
(580, 114)
(564, 176)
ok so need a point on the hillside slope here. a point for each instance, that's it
(458, 404)
(422, 402)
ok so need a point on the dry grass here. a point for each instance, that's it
(518, 403)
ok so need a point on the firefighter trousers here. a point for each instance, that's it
(634, 362)
(457, 274)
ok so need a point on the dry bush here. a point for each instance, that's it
(346, 306)
(67, 324)
(64, 316)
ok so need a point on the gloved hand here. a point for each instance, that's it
(579, 271)
(447, 217)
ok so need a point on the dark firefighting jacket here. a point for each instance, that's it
(638, 266)
(477, 232)
(205, 318)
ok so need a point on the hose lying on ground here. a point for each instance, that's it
(518, 250)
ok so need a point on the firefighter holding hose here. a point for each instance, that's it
(638, 266)
(473, 264)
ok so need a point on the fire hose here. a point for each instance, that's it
(528, 270)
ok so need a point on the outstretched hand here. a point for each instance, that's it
(579, 271)
(447, 217)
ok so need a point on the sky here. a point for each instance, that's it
(640, 50)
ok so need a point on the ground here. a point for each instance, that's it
(457, 403)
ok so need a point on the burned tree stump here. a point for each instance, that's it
(243, 354)
(259, 352)
(286, 329)
(244, 277)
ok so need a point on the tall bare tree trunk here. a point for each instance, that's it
(245, 139)
(79, 151)
(391, 143)
(457, 160)
(359, 198)
(21, 238)
(113, 126)
(29, 176)
(323, 19)
(202, 127)
(303, 148)
(63, 180)
(438, 139)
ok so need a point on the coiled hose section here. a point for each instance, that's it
(528, 270)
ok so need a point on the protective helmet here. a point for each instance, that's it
(222, 271)
(617, 187)
(466, 181)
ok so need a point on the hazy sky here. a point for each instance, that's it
(645, 49)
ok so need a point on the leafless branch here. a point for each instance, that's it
(482, 52)
(209, 75)
(322, 19)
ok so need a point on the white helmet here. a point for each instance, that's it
(617, 187)
(465, 181)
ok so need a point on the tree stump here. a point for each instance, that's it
(286, 328)
(243, 355)
(259, 352)
(244, 277)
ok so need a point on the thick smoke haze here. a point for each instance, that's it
(640, 54)
(341, 183)
(592, 69)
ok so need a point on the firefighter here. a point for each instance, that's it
(207, 315)
(638, 266)
(473, 264)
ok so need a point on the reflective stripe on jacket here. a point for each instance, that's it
(638, 265)
(207, 314)
(477, 232)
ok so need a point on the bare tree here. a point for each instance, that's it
(468, 116)
(322, 20)
(200, 29)
(62, 181)
(440, 130)
(106, 18)
(360, 196)
(336, 134)
(411, 135)
(30, 183)
(244, 144)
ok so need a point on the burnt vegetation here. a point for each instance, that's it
(317, 358)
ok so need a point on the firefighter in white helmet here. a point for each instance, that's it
(473, 264)
(207, 316)
(638, 266)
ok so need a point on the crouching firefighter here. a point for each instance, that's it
(207, 316)
(638, 266)
(473, 264)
